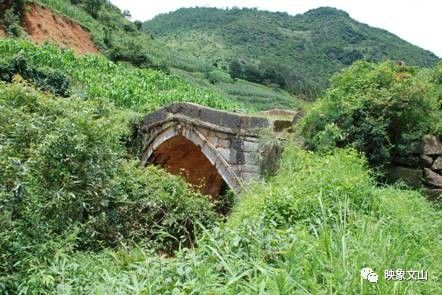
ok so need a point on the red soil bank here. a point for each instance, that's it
(43, 24)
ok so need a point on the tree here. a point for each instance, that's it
(126, 14)
(138, 24)
(93, 7)
(235, 69)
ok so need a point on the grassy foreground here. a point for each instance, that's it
(309, 230)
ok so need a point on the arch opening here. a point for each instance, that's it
(180, 156)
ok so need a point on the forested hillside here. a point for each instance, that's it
(298, 53)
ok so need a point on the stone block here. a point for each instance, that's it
(250, 157)
(222, 119)
(186, 109)
(249, 146)
(432, 178)
(225, 152)
(425, 161)
(437, 165)
(223, 143)
(204, 131)
(281, 125)
(411, 161)
(213, 140)
(248, 122)
(153, 118)
(410, 176)
(250, 168)
(432, 145)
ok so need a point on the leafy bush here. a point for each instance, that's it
(11, 21)
(217, 76)
(50, 80)
(11, 14)
(291, 200)
(437, 79)
(380, 109)
(131, 53)
(106, 22)
(305, 49)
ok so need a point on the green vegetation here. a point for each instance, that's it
(307, 230)
(67, 180)
(252, 95)
(96, 77)
(298, 53)
(380, 109)
(119, 39)
(122, 41)
(11, 15)
(79, 216)
(55, 81)
(68, 184)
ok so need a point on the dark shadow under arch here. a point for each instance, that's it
(180, 156)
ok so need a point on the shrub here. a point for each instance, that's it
(131, 53)
(380, 109)
(217, 76)
(291, 199)
(93, 7)
(47, 80)
(11, 22)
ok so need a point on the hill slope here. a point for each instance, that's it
(306, 49)
(92, 26)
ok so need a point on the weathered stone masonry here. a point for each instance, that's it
(210, 148)
(423, 168)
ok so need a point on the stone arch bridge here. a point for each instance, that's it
(214, 150)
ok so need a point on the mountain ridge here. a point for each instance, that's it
(307, 48)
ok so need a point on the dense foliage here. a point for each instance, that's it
(119, 38)
(53, 81)
(302, 51)
(67, 181)
(380, 109)
(307, 230)
(11, 15)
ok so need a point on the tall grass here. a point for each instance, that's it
(309, 230)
